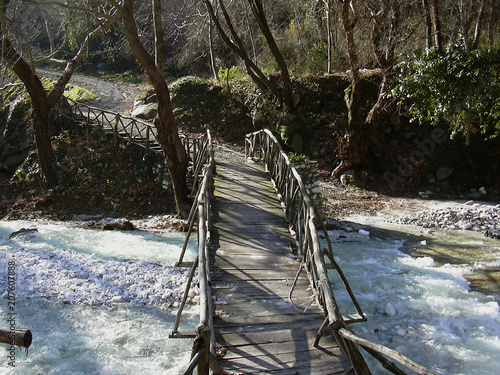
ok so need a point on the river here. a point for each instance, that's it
(94, 300)
(101, 302)
(424, 309)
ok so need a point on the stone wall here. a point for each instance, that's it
(308, 170)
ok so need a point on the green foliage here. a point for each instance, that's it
(318, 58)
(11, 93)
(62, 138)
(74, 92)
(198, 102)
(456, 86)
(297, 158)
(71, 91)
(226, 75)
(128, 77)
(27, 173)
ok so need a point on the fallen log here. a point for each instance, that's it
(18, 337)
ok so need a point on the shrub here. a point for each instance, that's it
(457, 86)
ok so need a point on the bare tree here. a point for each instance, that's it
(43, 101)
(384, 16)
(235, 43)
(233, 40)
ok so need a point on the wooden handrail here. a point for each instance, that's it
(204, 345)
(134, 130)
(264, 146)
(303, 218)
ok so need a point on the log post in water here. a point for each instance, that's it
(18, 337)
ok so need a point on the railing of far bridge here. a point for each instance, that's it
(303, 219)
(137, 131)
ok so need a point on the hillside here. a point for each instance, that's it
(404, 159)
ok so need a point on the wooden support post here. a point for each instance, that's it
(19, 337)
(204, 364)
(115, 130)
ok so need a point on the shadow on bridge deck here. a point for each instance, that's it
(252, 274)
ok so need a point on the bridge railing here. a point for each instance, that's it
(122, 126)
(304, 219)
(203, 352)
(134, 130)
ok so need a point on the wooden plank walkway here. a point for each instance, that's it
(253, 271)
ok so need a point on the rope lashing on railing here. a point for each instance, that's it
(303, 218)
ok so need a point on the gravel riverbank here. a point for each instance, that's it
(472, 216)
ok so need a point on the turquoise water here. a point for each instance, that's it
(113, 319)
(425, 311)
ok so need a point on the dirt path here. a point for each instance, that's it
(111, 96)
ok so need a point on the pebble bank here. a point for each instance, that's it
(471, 216)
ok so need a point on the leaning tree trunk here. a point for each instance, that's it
(260, 16)
(168, 134)
(41, 109)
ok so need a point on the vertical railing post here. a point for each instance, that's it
(204, 337)
(115, 130)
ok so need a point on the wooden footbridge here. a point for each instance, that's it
(267, 304)
(266, 301)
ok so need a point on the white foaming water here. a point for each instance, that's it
(424, 311)
(163, 247)
(97, 302)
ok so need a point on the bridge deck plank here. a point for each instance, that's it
(253, 270)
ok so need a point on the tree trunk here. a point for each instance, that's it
(328, 10)
(428, 24)
(463, 24)
(41, 108)
(260, 16)
(477, 31)
(436, 24)
(158, 26)
(354, 98)
(491, 24)
(168, 134)
(211, 45)
(384, 54)
(351, 148)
